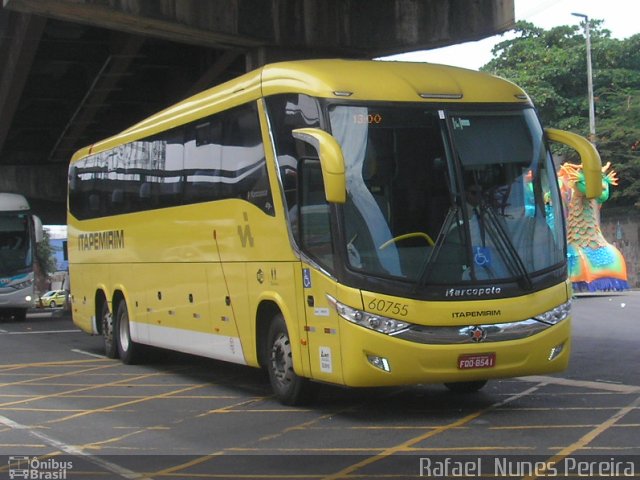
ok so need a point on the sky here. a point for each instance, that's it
(620, 17)
(56, 231)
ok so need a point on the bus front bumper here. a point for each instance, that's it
(372, 359)
(17, 299)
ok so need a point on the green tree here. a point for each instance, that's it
(551, 66)
(45, 255)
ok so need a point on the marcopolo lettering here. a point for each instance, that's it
(107, 240)
(472, 292)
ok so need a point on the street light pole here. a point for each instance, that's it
(592, 113)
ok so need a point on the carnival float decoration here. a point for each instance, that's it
(594, 263)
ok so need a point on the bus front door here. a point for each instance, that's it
(322, 327)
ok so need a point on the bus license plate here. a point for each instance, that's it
(480, 360)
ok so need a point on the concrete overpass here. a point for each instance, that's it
(75, 71)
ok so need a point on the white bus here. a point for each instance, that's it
(20, 231)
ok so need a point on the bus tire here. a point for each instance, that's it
(289, 388)
(108, 336)
(466, 387)
(128, 350)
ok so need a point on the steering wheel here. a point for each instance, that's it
(405, 236)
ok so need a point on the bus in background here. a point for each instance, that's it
(360, 223)
(20, 231)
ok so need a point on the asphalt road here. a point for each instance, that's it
(66, 410)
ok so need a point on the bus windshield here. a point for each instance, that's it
(444, 197)
(15, 247)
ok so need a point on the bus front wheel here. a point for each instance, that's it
(128, 350)
(289, 388)
(106, 320)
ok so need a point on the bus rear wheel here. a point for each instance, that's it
(106, 322)
(466, 387)
(128, 350)
(289, 388)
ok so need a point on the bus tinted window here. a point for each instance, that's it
(286, 113)
(218, 157)
(14, 243)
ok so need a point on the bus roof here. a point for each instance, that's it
(387, 81)
(13, 202)
(349, 79)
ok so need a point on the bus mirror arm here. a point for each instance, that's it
(591, 162)
(331, 162)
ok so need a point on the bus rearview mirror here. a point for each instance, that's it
(589, 156)
(38, 229)
(331, 162)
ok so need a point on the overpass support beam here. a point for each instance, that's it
(17, 49)
(348, 28)
(43, 185)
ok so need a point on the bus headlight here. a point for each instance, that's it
(555, 315)
(378, 323)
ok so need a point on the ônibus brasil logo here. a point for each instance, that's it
(34, 468)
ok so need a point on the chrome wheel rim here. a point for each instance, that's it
(124, 332)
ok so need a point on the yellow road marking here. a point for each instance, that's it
(568, 382)
(22, 445)
(57, 375)
(589, 436)
(54, 363)
(92, 387)
(383, 453)
(546, 427)
(124, 404)
(101, 443)
(374, 449)
(600, 388)
(204, 458)
(408, 444)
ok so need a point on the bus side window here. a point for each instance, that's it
(202, 160)
(166, 163)
(243, 159)
(217, 157)
(241, 150)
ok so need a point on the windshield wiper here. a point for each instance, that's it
(428, 264)
(503, 242)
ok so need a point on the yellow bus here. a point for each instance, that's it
(360, 223)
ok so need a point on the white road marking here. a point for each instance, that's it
(71, 450)
(82, 352)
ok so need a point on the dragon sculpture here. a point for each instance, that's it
(594, 264)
